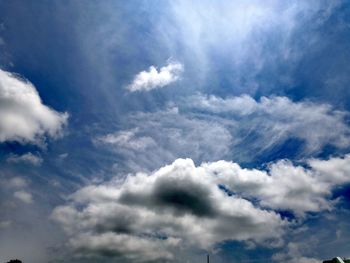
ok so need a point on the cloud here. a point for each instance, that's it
(24, 196)
(272, 120)
(63, 156)
(24, 118)
(210, 128)
(16, 187)
(26, 158)
(179, 205)
(128, 247)
(17, 182)
(338, 168)
(127, 139)
(154, 79)
(24, 208)
(294, 254)
(247, 43)
(283, 187)
(162, 136)
(5, 224)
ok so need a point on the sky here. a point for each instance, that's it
(162, 131)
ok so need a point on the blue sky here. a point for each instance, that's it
(161, 131)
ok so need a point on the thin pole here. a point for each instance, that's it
(208, 258)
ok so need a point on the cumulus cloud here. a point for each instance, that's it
(272, 120)
(283, 187)
(154, 79)
(181, 205)
(24, 118)
(30, 158)
(177, 205)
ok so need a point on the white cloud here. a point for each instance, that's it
(24, 196)
(335, 170)
(153, 79)
(283, 187)
(271, 121)
(24, 118)
(286, 186)
(26, 158)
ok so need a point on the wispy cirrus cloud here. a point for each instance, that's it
(272, 120)
(127, 139)
(208, 128)
(251, 38)
(160, 137)
(155, 79)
